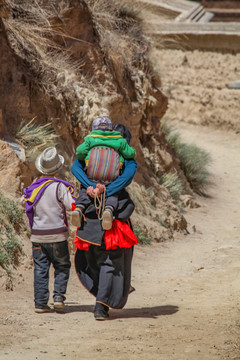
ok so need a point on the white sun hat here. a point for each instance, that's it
(49, 161)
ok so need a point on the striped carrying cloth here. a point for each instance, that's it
(103, 164)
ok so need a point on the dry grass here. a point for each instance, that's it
(119, 26)
(36, 137)
(11, 223)
(31, 36)
(173, 183)
(194, 161)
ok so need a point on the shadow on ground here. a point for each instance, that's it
(74, 307)
(146, 312)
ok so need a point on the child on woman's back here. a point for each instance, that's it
(104, 151)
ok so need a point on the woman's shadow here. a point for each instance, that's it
(145, 312)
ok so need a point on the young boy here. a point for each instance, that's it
(104, 151)
(46, 201)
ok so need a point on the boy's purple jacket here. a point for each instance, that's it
(33, 193)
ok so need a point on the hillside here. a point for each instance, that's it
(60, 68)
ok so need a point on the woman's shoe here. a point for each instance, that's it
(101, 311)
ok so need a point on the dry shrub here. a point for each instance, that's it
(123, 42)
(173, 183)
(193, 160)
(36, 137)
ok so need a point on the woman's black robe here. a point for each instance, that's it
(106, 274)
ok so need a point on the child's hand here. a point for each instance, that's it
(100, 188)
(91, 191)
(95, 192)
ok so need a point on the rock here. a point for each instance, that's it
(188, 201)
(9, 284)
(185, 60)
(19, 151)
(10, 169)
(235, 85)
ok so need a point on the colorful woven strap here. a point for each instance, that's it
(103, 164)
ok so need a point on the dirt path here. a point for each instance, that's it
(186, 304)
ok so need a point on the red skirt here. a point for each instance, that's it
(119, 236)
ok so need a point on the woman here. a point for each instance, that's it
(103, 259)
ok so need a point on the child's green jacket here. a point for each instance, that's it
(111, 139)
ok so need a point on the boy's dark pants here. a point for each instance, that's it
(85, 200)
(45, 254)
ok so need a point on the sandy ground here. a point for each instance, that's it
(186, 303)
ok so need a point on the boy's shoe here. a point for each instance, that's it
(42, 309)
(101, 312)
(76, 217)
(58, 303)
(107, 219)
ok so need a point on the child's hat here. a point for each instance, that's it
(102, 123)
(49, 161)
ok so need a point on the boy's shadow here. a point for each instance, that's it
(146, 312)
(75, 307)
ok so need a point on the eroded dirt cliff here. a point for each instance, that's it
(65, 63)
